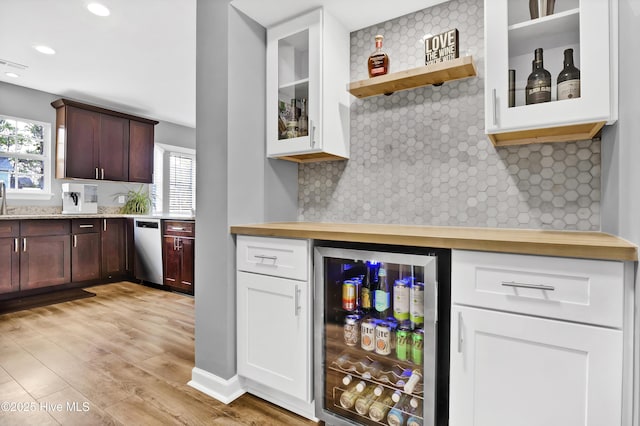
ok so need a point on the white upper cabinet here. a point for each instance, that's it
(308, 69)
(588, 27)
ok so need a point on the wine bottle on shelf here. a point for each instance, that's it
(396, 395)
(378, 60)
(373, 371)
(414, 380)
(365, 400)
(348, 397)
(398, 414)
(538, 88)
(569, 78)
(366, 295)
(346, 380)
(382, 295)
(414, 411)
(381, 407)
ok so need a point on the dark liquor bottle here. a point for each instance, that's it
(303, 121)
(569, 78)
(382, 297)
(378, 60)
(539, 82)
(366, 292)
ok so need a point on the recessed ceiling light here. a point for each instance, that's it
(11, 74)
(98, 9)
(44, 49)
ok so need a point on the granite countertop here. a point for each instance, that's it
(590, 245)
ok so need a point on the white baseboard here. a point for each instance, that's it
(225, 391)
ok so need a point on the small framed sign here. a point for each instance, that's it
(441, 47)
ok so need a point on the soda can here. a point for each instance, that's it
(383, 338)
(403, 343)
(400, 300)
(349, 295)
(417, 346)
(368, 334)
(416, 305)
(351, 330)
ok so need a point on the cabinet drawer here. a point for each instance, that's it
(36, 228)
(279, 257)
(85, 226)
(179, 228)
(581, 290)
(9, 228)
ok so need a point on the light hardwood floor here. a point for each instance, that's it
(122, 357)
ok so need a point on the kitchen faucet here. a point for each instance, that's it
(3, 195)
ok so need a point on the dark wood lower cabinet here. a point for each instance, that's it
(85, 257)
(9, 265)
(45, 261)
(114, 240)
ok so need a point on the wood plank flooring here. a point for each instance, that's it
(120, 358)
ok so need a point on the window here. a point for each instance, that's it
(174, 180)
(24, 156)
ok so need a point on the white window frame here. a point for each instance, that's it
(163, 185)
(30, 194)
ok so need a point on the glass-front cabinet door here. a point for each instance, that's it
(522, 36)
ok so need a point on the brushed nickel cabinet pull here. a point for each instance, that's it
(104, 225)
(16, 245)
(75, 241)
(495, 103)
(24, 244)
(102, 174)
(525, 285)
(296, 301)
(460, 339)
(86, 226)
(96, 173)
(263, 256)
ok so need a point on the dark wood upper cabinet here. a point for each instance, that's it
(140, 152)
(97, 143)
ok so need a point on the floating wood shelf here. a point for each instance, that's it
(575, 132)
(435, 74)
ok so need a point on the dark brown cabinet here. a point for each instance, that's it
(96, 143)
(85, 250)
(9, 256)
(140, 152)
(178, 254)
(114, 248)
(45, 253)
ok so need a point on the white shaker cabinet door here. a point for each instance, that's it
(509, 369)
(273, 333)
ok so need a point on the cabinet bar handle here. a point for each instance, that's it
(24, 244)
(525, 285)
(264, 256)
(312, 138)
(102, 174)
(17, 244)
(96, 173)
(460, 339)
(104, 225)
(86, 226)
(75, 241)
(495, 103)
(296, 301)
(176, 229)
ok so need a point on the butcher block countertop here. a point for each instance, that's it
(589, 245)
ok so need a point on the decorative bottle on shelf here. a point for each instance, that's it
(414, 380)
(348, 397)
(538, 88)
(414, 410)
(381, 407)
(512, 88)
(383, 295)
(366, 296)
(292, 124)
(398, 415)
(378, 60)
(303, 121)
(364, 401)
(569, 78)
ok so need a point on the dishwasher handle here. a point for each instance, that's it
(147, 224)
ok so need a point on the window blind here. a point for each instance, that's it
(182, 176)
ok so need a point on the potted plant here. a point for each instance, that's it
(138, 202)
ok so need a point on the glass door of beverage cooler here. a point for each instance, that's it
(376, 336)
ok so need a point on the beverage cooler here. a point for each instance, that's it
(382, 335)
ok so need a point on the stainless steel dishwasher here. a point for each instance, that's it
(148, 242)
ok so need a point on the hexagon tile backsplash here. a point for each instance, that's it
(420, 157)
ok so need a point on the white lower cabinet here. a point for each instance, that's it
(532, 346)
(274, 311)
(511, 370)
(273, 333)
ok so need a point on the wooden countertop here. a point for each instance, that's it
(590, 245)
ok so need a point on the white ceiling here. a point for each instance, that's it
(141, 59)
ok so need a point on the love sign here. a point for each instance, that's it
(441, 47)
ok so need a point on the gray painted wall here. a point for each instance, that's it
(21, 102)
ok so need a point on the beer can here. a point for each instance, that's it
(368, 334)
(403, 343)
(383, 338)
(416, 305)
(351, 330)
(349, 295)
(400, 300)
(417, 346)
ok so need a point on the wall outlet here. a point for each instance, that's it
(121, 199)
